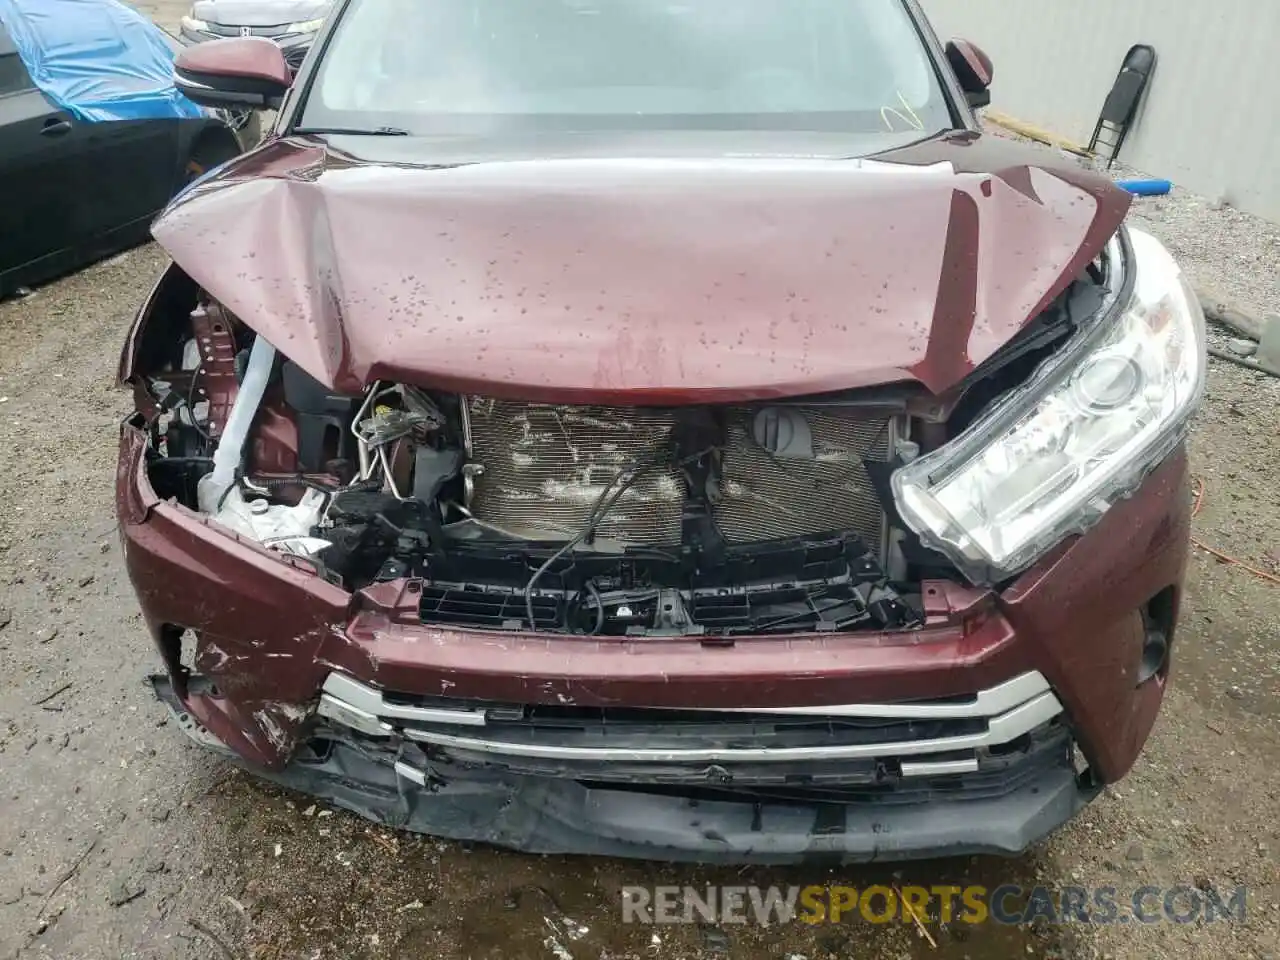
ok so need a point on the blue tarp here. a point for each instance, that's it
(96, 59)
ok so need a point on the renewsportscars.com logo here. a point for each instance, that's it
(1008, 904)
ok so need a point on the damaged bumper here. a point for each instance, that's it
(966, 735)
(403, 783)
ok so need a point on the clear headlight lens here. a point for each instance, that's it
(191, 23)
(306, 26)
(1050, 457)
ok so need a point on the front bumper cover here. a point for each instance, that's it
(403, 786)
(270, 633)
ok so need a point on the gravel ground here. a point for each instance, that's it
(118, 839)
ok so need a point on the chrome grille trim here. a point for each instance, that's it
(1000, 730)
(270, 31)
(938, 768)
(987, 703)
(1011, 710)
(344, 696)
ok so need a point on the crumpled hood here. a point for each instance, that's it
(260, 13)
(638, 281)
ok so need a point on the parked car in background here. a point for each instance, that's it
(670, 430)
(94, 137)
(291, 24)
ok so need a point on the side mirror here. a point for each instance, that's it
(245, 72)
(973, 69)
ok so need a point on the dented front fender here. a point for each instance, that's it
(258, 620)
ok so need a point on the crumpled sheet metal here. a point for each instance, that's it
(97, 59)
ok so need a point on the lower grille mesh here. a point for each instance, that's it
(546, 466)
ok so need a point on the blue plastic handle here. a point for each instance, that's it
(1145, 188)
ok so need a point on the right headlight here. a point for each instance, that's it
(192, 23)
(1050, 457)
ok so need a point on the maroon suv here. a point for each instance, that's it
(658, 429)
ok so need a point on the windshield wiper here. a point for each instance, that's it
(353, 131)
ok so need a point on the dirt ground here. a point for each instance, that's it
(118, 839)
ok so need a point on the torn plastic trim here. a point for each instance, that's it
(348, 701)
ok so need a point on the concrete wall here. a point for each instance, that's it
(1211, 120)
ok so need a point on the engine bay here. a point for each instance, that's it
(503, 514)
(507, 515)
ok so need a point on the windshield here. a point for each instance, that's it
(496, 66)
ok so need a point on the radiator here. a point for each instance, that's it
(545, 467)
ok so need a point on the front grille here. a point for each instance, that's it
(546, 467)
(276, 32)
(805, 750)
(781, 608)
(781, 586)
(466, 605)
